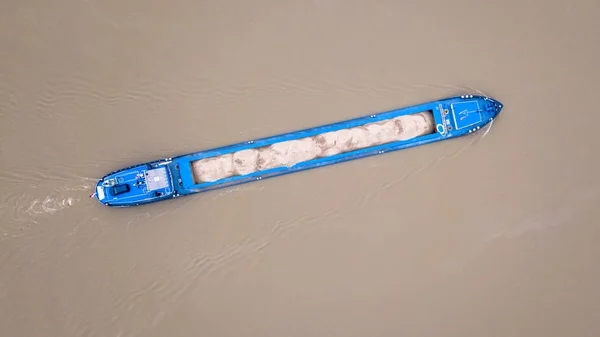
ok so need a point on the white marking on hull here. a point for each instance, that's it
(100, 191)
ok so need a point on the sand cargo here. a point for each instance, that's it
(295, 151)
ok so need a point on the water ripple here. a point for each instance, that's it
(27, 209)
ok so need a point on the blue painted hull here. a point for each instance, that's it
(170, 178)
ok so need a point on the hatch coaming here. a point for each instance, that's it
(188, 184)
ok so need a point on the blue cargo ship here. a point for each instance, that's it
(170, 178)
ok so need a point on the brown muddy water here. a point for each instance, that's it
(495, 234)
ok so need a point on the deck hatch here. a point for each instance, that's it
(157, 179)
(466, 114)
(100, 191)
